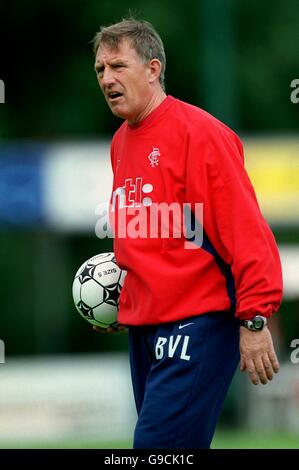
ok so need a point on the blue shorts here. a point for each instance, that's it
(181, 373)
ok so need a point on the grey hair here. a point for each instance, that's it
(143, 36)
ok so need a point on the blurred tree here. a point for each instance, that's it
(267, 52)
(238, 59)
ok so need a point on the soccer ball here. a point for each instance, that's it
(96, 289)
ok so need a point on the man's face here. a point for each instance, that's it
(124, 80)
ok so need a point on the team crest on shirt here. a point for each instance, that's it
(154, 157)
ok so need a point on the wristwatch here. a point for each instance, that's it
(256, 323)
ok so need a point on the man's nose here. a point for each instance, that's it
(107, 77)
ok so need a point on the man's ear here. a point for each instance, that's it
(155, 68)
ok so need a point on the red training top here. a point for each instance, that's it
(177, 157)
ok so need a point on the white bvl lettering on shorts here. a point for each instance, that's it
(159, 350)
(172, 347)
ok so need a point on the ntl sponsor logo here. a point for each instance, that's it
(2, 92)
(2, 352)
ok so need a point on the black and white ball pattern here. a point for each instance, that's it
(96, 289)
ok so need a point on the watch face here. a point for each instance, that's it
(258, 323)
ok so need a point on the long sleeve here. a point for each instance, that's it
(232, 219)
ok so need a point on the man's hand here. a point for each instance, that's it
(110, 329)
(258, 355)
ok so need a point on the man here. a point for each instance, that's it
(191, 313)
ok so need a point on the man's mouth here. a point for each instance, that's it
(114, 95)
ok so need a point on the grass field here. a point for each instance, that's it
(223, 440)
(255, 440)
